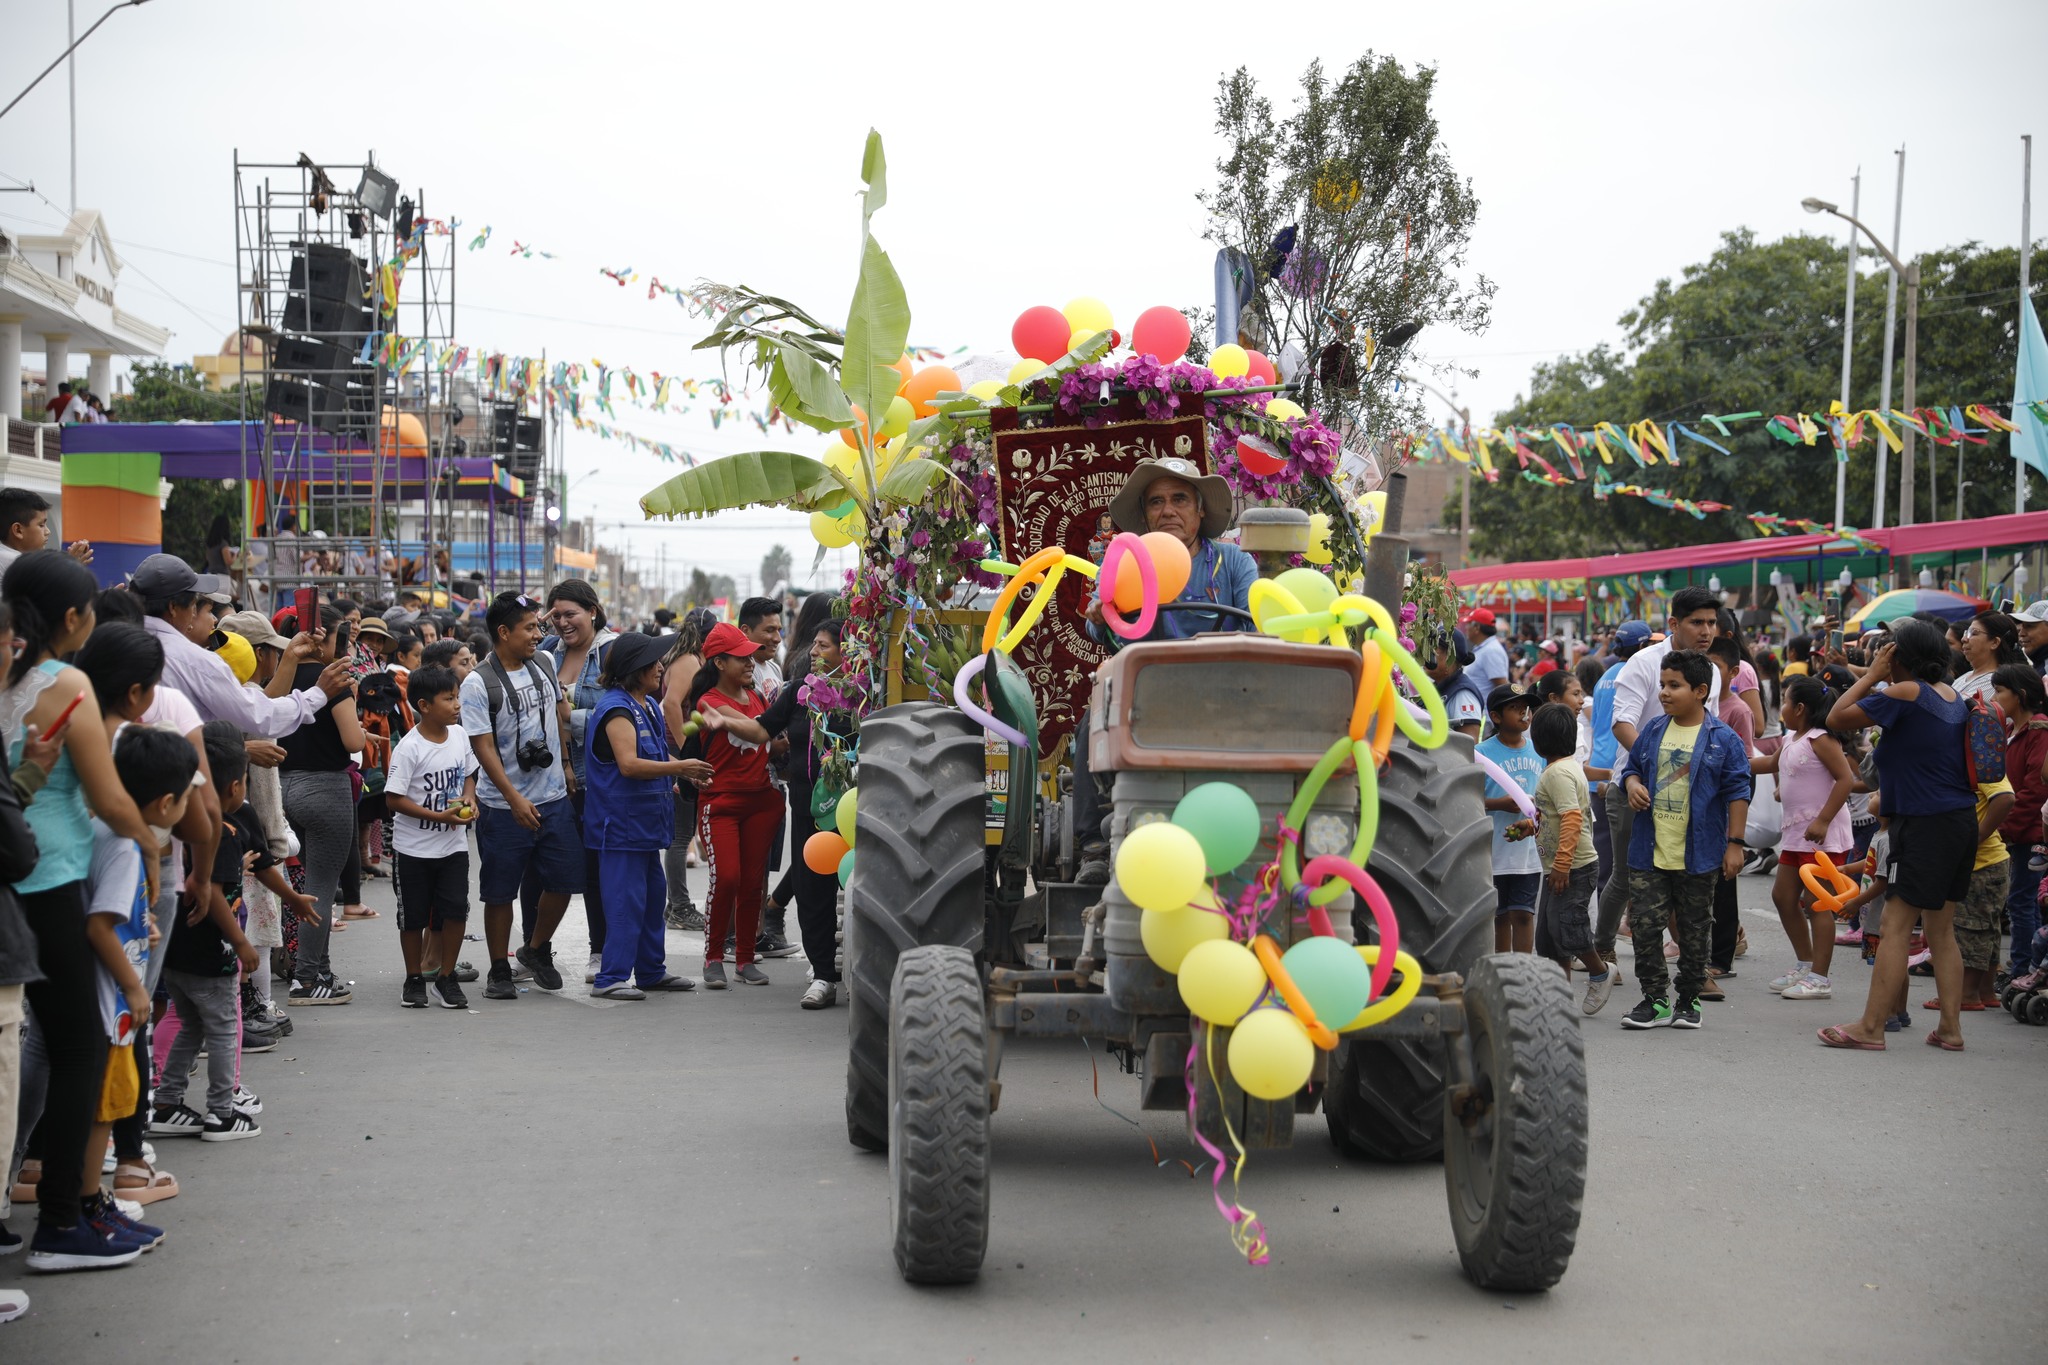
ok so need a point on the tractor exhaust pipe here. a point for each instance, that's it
(1386, 559)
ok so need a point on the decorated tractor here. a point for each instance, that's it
(1298, 899)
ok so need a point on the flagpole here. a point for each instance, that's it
(2019, 467)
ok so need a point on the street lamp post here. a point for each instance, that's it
(1465, 477)
(1909, 275)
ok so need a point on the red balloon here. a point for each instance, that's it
(1262, 370)
(1161, 333)
(1260, 456)
(1041, 334)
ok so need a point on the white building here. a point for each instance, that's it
(57, 295)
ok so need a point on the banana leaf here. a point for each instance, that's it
(806, 391)
(912, 481)
(877, 326)
(754, 479)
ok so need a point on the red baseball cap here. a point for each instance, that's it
(1480, 615)
(727, 639)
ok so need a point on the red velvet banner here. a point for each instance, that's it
(1053, 487)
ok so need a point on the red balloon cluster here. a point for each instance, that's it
(1041, 334)
(1161, 333)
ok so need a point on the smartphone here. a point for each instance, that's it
(306, 606)
(1834, 642)
(341, 641)
(1835, 605)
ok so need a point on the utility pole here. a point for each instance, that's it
(1891, 305)
(71, 79)
(1848, 341)
(2019, 467)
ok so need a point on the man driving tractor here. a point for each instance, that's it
(1174, 496)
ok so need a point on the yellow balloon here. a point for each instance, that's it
(830, 531)
(1160, 866)
(1170, 935)
(986, 390)
(1023, 370)
(1219, 979)
(1319, 539)
(1372, 510)
(1284, 409)
(1270, 1055)
(896, 420)
(1229, 361)
(1313, 590)
(842, 818)
(1087, 316)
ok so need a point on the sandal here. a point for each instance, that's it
(1934, 1040)
(360, 912)
(13, 1303)
(1969, 1006)
(24, 1190)
(144, 1183)
(1834, 1036)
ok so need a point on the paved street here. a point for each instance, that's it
(563, 1178)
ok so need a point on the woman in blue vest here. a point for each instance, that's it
(629, 817)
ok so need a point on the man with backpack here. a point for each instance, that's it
(509, 712)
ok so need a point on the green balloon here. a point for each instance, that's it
(846, 875)
(1333, 977)
(1225, 822)
(843, 814)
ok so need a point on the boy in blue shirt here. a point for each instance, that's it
(1517, 863)
(1690, 773)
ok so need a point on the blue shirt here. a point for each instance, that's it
(1525, 766)
(1718, 775)
(116, 888)
(1604, 742)
(1220, 573)
(1920, 755)
(527, 713)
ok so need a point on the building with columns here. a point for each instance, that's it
(57, 296)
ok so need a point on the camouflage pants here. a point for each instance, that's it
(1657, 895)
(1980, 917)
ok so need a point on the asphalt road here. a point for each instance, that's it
(563, 1178)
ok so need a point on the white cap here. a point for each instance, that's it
(2035, 615)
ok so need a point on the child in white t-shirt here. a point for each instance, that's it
(431, 792)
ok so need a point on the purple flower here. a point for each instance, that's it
(902, 567)
(920, 539)
(1408, 610)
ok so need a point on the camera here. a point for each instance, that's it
(534, 753)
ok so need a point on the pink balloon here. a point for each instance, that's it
(1161, 333)
(1262, 370)
(1041, 334)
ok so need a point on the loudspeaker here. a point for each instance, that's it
(326, 272)
(310, 356)
(325, 317)
(522, 464)
(289, 398)
(526, 434)
(340, 410)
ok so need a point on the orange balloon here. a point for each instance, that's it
(1169, 562)
(927, 383)
(822, 852)
(902, 367)
(852, 435)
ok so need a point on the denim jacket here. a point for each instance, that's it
(1720, 774)
(583, 697)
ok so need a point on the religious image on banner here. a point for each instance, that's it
(1053, 487)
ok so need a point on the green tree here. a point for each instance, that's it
(1758, 327)
(1380, 220)
(776, 567)
(703, 589)
(174, 393)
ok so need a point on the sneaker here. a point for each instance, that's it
(86, 1246)
(1648, 1014)
(110, 1212)
(414, 994)
(259, 1039)
(1671, 949)
(176, 1120)
(500, 986)
(714, 976)
(694, 922)
(824, 995)
(10, 1242)
(465, 971)
(233, 1128)
(325, 991)
(1849, 938)
(590, 969)
(246, 1102)
(1780, 984)
(447, 993)
(274, 1015)
(773, 945)
(1687, 1015)
(752, 975)
(676, 915)
(1093, 872)
(1812, 986)
(13, 1303)
(1898, 1023)
(520, 971)
(1598, 988)
(540, 960)
(622, 990)
(1921, 958)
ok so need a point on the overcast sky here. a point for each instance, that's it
(1034, 155)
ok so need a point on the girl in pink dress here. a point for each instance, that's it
(1814, 778)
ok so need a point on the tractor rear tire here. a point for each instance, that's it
(1515, 1170)
(938, 1116)
(1433, 858)
(917, 880)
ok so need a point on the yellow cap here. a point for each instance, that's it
(240, 655)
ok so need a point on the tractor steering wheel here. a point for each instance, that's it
(1219, 610)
